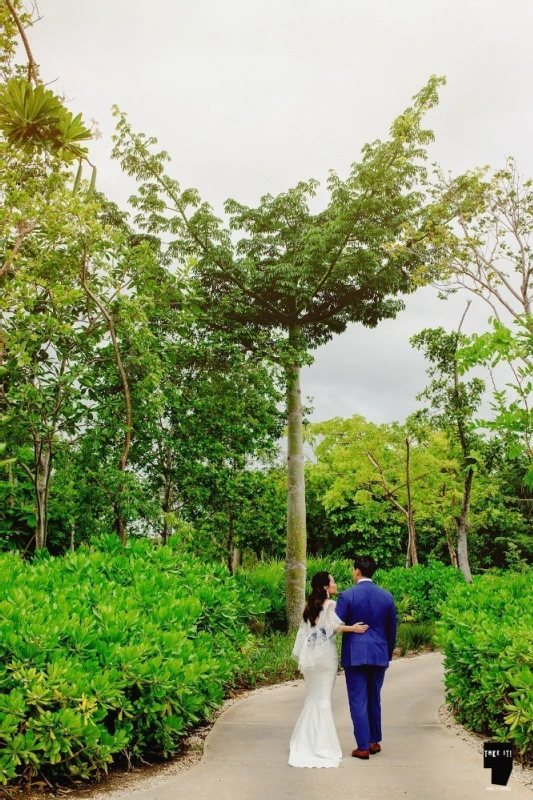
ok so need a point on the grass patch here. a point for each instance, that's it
(415, 636)
(269, 656)
(268, 662)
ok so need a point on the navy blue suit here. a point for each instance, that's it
(366, 656)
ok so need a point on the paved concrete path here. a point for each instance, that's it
(245, 755)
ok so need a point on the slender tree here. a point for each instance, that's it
(453, 404)
(216, 410)
(488, 252)
(299, 276)
(369, 464)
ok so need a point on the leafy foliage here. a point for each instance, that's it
(293, 278)
(413, 637)
(486, 630)
(35, 120)
(115, 650)
(279, 265)
(512, 417)
(418, 591)
(377, 476)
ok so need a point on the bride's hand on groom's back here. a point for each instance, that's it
(359, 627)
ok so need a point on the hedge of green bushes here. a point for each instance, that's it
(113, 651)
(486, 630)
(418, 591)
(121, 650)
(267, 580)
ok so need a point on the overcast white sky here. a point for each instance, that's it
(251, 96)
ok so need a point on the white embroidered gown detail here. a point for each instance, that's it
(314, 742)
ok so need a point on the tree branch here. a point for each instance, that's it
(32, 66)
(205, 248)
(389, 494)
(24, 230)
(116, 349)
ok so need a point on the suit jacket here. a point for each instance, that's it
(366, 602)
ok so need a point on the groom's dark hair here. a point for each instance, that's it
(366, 564)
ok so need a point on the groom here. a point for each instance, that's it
(366, 656)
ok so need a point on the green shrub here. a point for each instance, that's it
(340, 568)
(113, 650)
(267, 580)
(268, 662)
(486, 630)
(420, 590)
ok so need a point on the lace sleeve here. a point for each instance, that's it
(332, 621)
(312, 642)
(300, 641)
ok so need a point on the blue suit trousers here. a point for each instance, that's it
(364, 696)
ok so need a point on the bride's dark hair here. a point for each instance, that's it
(316, 599)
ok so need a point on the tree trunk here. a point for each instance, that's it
(412, 554)
(295, 570)
(166, 507)
(120, 529)
(43, 468)
(230, 539)
(462, 521)
(11, 498)
(449, 542)
(119, 520)
(164, 533)
(236, 559)
(411, 557)
(462, 528)
(451, 549)
(72, 534)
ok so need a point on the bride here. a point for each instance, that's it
(314, 742)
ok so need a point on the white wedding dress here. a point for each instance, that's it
(314, 742)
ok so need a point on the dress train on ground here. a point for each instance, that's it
(314, 742)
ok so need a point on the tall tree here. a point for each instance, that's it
(489, 254)
(44, 341)
(216, 411)
(453, 403)
(334, 527)
(299, 276)
(41, 349)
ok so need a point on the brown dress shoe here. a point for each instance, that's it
(365, 754)
(374, 748)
